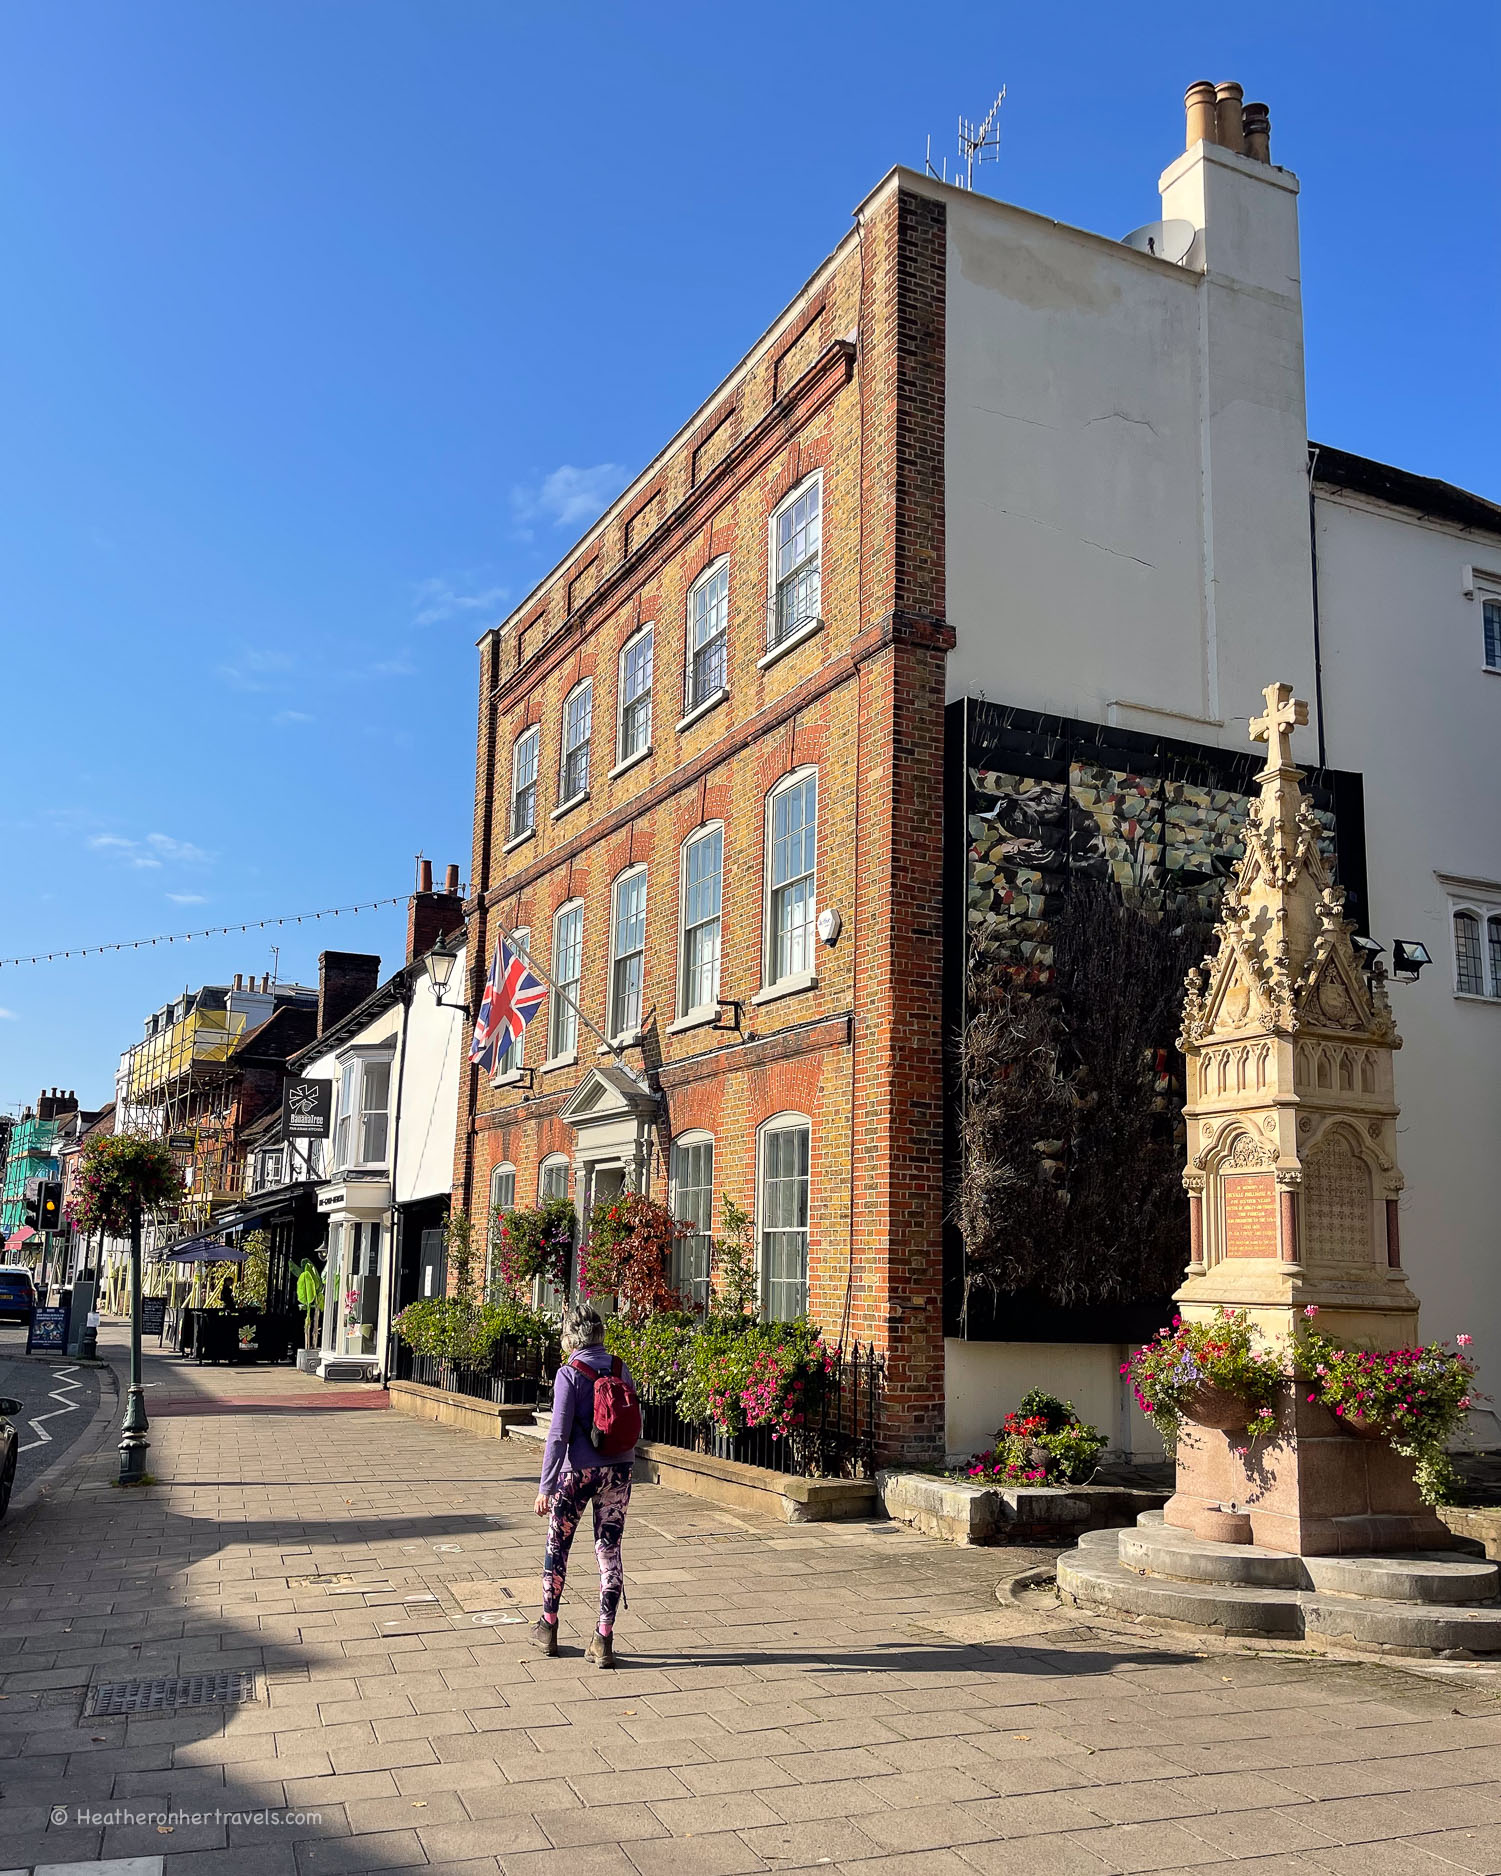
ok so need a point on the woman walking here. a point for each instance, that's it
(586, 1463)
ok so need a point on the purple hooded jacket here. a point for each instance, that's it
(572, 1417)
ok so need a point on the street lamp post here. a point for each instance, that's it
(133, 1441)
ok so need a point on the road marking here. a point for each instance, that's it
(43, 1437)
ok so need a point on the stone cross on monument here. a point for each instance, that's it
(1284, 714)
(1292, 1178)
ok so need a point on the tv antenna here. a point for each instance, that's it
(981, 143)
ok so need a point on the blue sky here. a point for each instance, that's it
(328, 326)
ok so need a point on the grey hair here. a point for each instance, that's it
(583, 1326)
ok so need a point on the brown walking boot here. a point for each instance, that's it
(601, 1650)
(545, 1636)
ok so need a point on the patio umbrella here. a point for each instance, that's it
(202, 1251)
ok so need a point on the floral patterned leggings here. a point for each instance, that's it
(609, 1489)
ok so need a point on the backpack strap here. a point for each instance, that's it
(617, 1367)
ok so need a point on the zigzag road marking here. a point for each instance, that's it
(43, 1437)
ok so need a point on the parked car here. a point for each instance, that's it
(17, 1292)
(9, 1443)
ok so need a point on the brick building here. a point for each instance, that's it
(708, 791)
(1036, 490)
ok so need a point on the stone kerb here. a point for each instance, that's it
(961, 1513)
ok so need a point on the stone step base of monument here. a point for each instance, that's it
(1442, 1604)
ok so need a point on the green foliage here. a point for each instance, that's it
(255, 1272)
(120, 1174)
(1223, 1353)
(656, 1350)
(732, 1266)
(1043, 1443)
(466, 1333)
(1416, 1398)
(534, 1241)
(458, 1242)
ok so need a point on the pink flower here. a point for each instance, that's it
(1464, 1400)
(1240, 1451)
(1464, 1341)
(1311, 1310)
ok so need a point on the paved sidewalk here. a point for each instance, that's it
(835, 1697)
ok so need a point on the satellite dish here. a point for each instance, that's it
(1168, 240)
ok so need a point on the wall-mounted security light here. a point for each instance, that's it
(1368, 951)
(1408, 959)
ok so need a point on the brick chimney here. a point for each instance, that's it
(433, 915)
(345, 979)
(53, 1103)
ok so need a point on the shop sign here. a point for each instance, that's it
(307, 1109)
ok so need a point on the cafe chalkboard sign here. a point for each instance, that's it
(154, 1316)
(48, 1329)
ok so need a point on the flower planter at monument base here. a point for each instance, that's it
(1217, 1407)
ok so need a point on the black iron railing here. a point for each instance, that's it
(515, 1375)
(837, 1438)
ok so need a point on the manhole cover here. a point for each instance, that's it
(199, 1690)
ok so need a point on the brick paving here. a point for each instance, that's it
(836, 1697)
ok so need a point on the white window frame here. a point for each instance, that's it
(505, 1170)
(532, 737)
(629, 1031)
(1490, 601)
(779, 1124)
(804, 626)
(568, 795)
(771, 974)
(510, 1058)
(545, 1295)
(623, 755)
(352, 1122)
(687, 1008)
(1483, 903)
(694, 696)
(688, 1285)
(560, 1047)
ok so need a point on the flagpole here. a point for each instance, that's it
(524, 951)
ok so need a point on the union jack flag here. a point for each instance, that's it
(513, 996)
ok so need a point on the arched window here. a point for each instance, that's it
(502, 1200)
(1493, 951)
(633, 714)
(578, 721)
(552, 1183)
(627, 951)
(567, 970)
(700, 902)
(791, 855)
(691, 1198)
(524, 753)
(707, 662)
(796, 559)
(1469, 973)
(784, 1180)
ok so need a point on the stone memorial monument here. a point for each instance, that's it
(1293, 1188)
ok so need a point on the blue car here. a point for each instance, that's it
(17, 1292)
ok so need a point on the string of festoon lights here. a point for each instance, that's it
(208, 931)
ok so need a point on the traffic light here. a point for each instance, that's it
(50, 1205)
(31, 1208)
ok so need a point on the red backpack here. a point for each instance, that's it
(617, 1410)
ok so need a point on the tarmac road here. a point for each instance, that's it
(60, 1400)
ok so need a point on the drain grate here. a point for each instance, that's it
(199, 1690)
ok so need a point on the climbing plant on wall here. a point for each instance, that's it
(1072, 1152)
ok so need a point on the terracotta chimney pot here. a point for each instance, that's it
(1199, 104)
(451, 880)
(424, 876)
(1229, 117)
(239, 980)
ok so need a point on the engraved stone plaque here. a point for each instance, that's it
(1250, 1215)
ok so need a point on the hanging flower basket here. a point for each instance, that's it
(1208, 1405)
